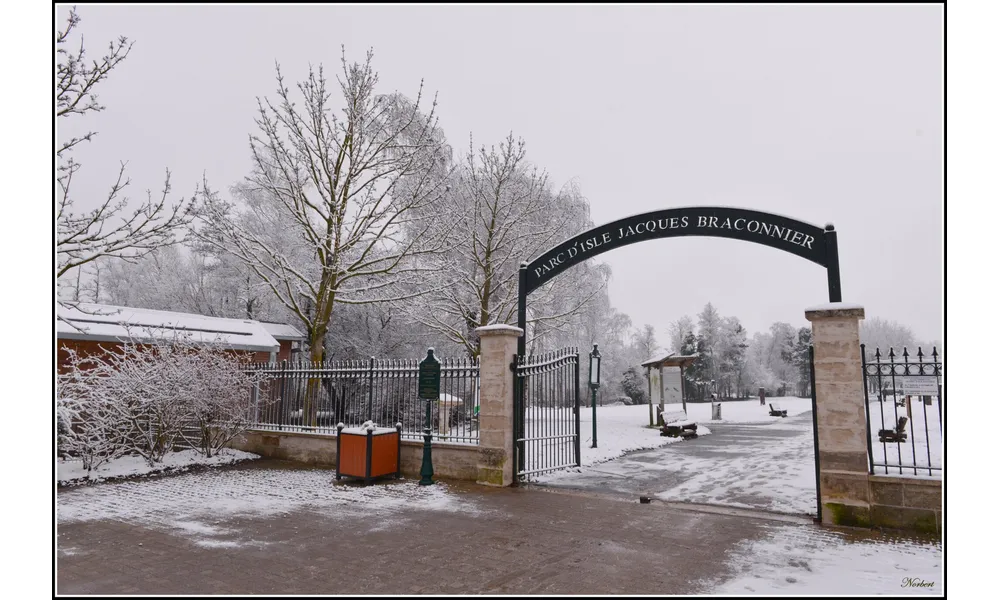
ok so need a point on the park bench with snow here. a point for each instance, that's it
(677, 424)
(894, 435)
(777, 411)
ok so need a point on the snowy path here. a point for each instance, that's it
(752, 465)
(810, 560)
(198, 505)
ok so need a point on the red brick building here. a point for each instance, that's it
(97, 328)
(292, 341)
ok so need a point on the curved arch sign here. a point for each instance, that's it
(796, 237)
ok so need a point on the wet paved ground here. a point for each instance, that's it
(275, 527)
(128, 539)
(768, 466)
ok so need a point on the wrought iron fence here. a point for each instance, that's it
(547, 411)
(314, 397)
(905, 426)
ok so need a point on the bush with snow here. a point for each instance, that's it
(221, 402)
(89, 426)
(143, 398)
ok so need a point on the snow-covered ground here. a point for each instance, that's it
(620, 429)
(923, 429)
(70, 471)
(198, 505)
(802, 560)
(753, 461)
(774, 472)
(623, 429)
(749, 411)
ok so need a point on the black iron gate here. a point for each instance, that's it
(812, 390)
(547, 412)
(904, 405)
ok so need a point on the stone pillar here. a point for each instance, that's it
(498, 345)
(840, 414)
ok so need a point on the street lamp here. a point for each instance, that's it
(595, 382)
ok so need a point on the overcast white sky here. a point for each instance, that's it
(822, 113)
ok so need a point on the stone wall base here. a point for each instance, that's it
(493, 467)
(451, 461)
(906, 503)
(903, 503)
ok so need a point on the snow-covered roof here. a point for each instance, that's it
(105, 323)
(671, 359)
(280, 331)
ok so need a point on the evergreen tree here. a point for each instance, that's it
(801, 360)
(696, 375)
(733, 358)
(710, 332)
(634, 386)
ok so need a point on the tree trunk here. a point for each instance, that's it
(315, 386)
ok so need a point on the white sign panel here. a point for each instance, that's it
(920, 386)
(671, 385)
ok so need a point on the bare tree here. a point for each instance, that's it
(880, 333)
(500, 212)
(321, 218)
(644, 342)
(111, 229)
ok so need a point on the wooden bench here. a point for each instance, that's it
(897, 435)
(676, 424)
(777, 411)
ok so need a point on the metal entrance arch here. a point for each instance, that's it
(783, 233)
(796, 237)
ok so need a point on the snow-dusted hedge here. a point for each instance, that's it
(143, 398)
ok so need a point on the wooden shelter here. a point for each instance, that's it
(665, 377)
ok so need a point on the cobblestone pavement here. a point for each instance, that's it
(275, 528)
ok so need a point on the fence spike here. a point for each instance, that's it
(906, 355)
(920, 354)
(891, 354)
(934, 353)
(878, 353)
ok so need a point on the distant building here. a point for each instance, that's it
(292, 340)
(97, 328)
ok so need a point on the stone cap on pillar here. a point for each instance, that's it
(506, 330)
(835, 310)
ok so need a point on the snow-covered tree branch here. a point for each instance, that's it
(326, 217)
(112, 228)
(501, 211)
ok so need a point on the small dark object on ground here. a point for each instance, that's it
(645, 499)
(777, 411)
(894, 435)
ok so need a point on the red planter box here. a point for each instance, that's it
(368, 454)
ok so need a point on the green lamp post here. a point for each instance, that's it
(595, 382)
(429, 386)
